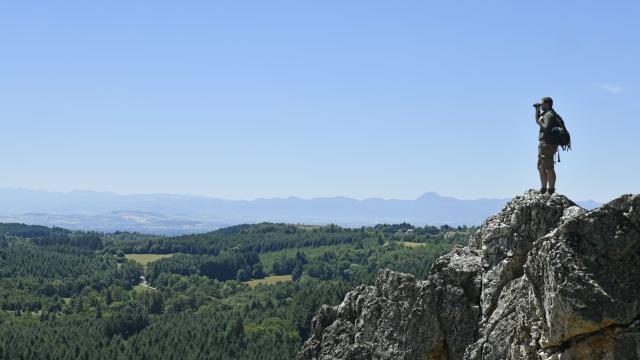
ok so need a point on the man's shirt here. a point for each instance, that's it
(549, 120)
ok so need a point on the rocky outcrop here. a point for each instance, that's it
(543, 279)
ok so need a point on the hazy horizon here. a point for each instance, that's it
(179, 214)
(213, 196)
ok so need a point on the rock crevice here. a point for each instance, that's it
(543, 279)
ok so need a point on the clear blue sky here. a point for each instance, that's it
(246, 99)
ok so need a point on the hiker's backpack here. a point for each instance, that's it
(559, 135)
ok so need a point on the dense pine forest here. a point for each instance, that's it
(243, 292)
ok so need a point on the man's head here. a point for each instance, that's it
(547, 103)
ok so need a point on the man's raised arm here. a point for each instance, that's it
(538, 118)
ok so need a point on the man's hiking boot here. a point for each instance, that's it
(543, 190)
(551, 191)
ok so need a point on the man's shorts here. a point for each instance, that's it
(545, 156)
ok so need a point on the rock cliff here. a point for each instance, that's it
(541, 280)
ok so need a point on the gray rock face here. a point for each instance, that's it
(543, 279)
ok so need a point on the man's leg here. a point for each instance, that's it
(541, 170)
(551, 176)
(543, 177)
(551, 172)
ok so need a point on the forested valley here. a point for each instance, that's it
(242, 292)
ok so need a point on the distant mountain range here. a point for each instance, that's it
(178, 214)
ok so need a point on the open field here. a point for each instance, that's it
(140, 289)
(269, 280)
(410, 244)
(144, 259)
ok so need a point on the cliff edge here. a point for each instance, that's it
(543, 279)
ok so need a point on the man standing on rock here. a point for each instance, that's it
(547, 118)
